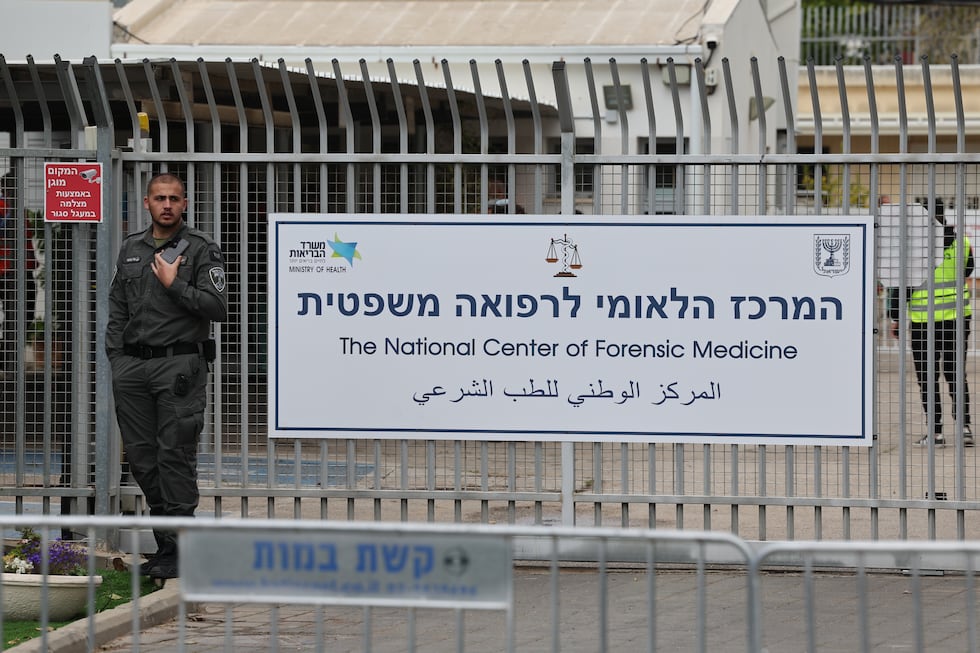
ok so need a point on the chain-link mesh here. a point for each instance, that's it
(242, 168)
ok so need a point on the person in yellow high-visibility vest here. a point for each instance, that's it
(943, 311)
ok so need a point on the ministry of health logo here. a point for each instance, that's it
(347, 251)
(831, 254)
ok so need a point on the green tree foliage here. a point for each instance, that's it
(939, 31)
(948, 30)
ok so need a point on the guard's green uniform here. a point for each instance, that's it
(155, 341)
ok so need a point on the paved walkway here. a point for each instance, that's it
(675, 622)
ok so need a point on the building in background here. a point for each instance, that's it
(72, 29)
(587, 35)
(627, 49)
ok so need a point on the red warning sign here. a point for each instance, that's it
(73, 192)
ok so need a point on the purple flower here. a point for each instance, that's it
(64, 558)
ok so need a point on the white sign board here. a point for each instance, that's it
(916, 257)
(971, 228)
(351, 568)
(738, 330)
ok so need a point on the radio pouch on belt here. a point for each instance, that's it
(210, 350)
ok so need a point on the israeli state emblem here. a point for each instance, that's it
(832, 254)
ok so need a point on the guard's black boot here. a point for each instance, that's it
(146, 568)
(165, 561)
(164, 569)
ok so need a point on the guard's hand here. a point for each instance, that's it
(894, 329)
(165, 272)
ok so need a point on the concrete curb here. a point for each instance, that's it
(154, 609)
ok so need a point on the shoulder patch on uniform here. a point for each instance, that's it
(217, 278)
(215, 254)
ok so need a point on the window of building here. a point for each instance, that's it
(662, 182)
(584, 172)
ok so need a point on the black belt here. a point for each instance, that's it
(176, 349)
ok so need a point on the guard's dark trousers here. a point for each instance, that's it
(160, 404)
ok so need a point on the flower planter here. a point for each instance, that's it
(67, 596)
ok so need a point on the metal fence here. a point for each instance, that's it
(251, 139)
(317, 585)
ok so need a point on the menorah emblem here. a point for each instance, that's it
(837, 249)
(832, 246)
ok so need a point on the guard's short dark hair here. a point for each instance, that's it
(168, 178)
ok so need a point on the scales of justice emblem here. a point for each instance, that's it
(569, 255)
(831, 254)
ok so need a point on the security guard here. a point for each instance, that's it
(940, 310)
(168, 287)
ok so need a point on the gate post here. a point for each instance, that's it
(104, 260)
(567, 123)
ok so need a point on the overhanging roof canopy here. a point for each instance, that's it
(435, 23)
(200, 90)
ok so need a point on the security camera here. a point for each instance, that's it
(711, 41)
(89, 175)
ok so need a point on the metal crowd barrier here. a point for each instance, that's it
(325, 585)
